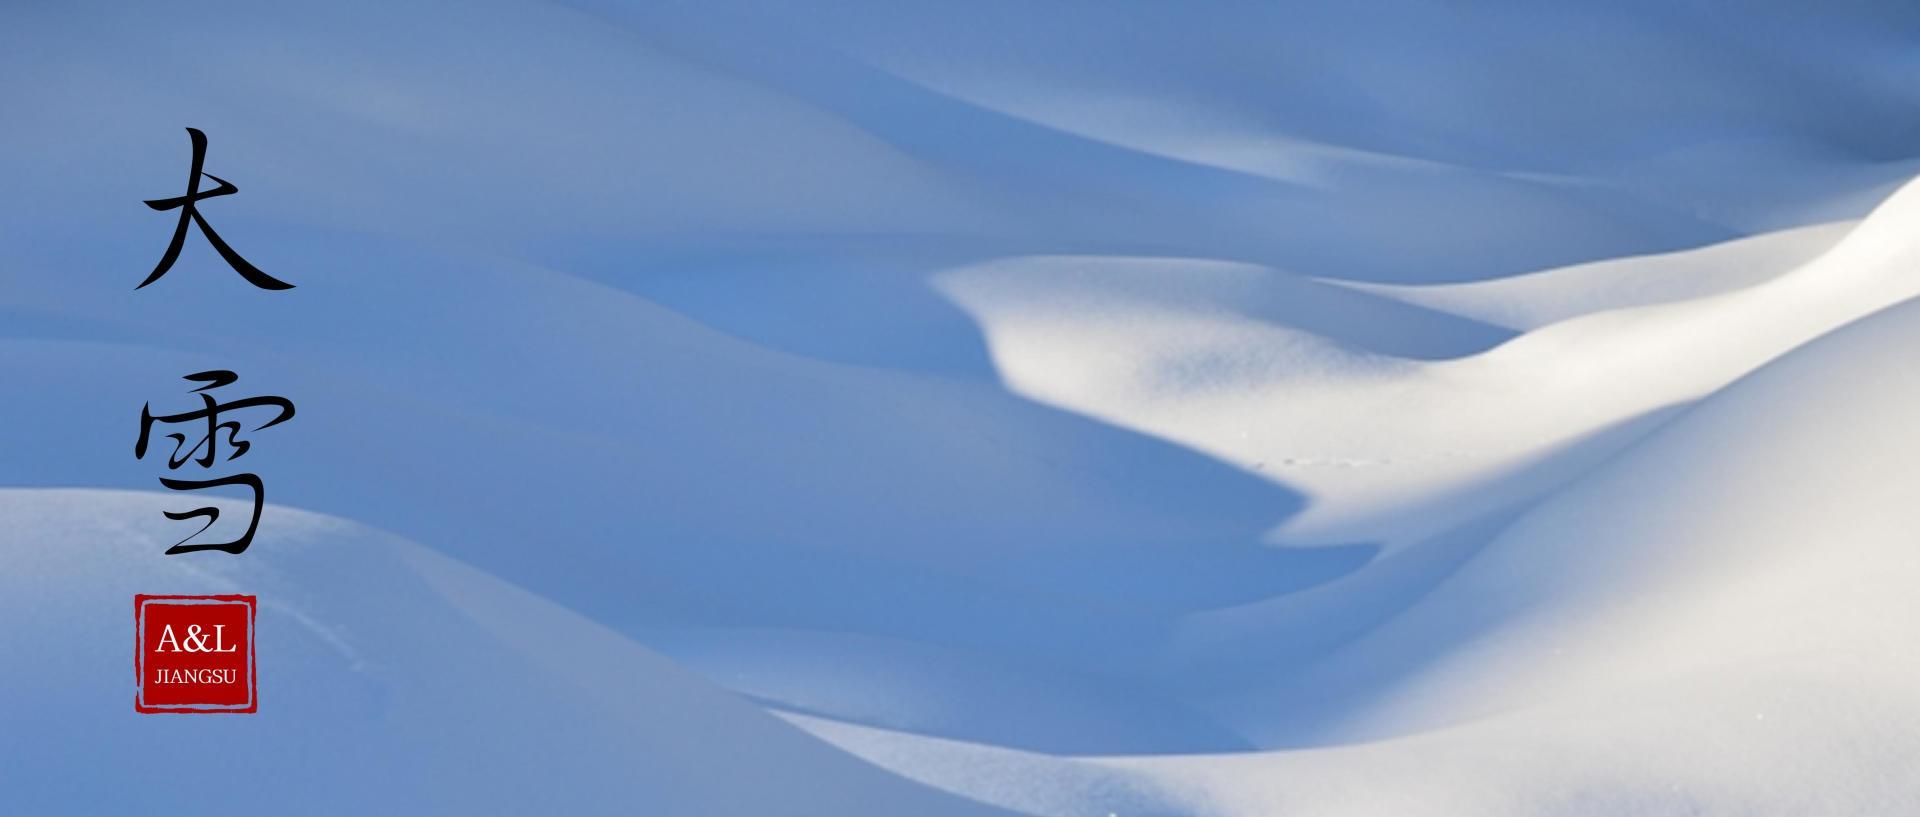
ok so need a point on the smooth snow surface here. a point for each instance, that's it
(394, 681)
(1390, 408)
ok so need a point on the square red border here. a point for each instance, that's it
(253, 676)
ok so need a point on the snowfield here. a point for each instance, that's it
(1084, 409)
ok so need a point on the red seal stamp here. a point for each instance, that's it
(194, 654)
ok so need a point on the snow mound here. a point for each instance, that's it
(1236, 363)
(1528, 302)
(1716, 621)
(395, 680)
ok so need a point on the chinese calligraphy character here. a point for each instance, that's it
(189, 211)
(203, 452)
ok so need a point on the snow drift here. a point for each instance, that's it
(1089, 409)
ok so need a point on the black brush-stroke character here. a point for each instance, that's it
(190, 212)
(204, 453)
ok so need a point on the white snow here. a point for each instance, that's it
(1717, 621)
(394, 680)
(907, 408)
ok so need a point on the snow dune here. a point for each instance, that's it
(1231, 362)
(1528, 302)
(393, 680)
(1717, 620)
(913, 408)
